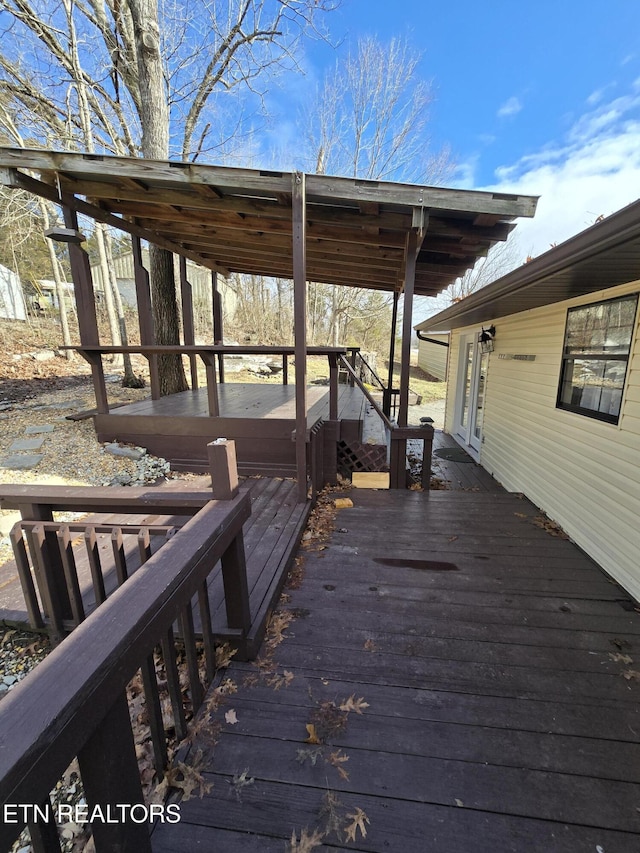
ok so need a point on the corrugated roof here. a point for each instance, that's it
(239, 220)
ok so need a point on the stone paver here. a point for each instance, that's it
(126, 452)
(39, 428)
(21, 462)
(27, 444)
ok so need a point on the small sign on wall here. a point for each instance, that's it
(516, 357)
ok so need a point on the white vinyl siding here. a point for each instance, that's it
(584, 473)
(432, 358)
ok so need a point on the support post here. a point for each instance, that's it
(86, 307)
(333, 386)
(110, 776)
(388, 393)
(299, 221)
(186, 297)
(411, 254)
(145, 314)
(209, 359)
(218, 327)
(224, 469)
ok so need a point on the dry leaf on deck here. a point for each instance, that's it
(359, 819)
(631, 674)
(306, 843)
(616, 657)
(231, 717)
(353, 704)
(336, 759)
(313, 735)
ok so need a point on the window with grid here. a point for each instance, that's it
(596, 350)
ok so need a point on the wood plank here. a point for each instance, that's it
(265, 809)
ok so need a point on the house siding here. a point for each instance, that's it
(432, 358)
(584, 473)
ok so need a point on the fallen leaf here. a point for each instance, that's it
(242, 780)
(336, 759)
(312, 754)
(224, 653)
(359, 819)
(329, 810)
(313, 735)
(459, 803)
(521, 514)
(617, 657)
(353, 704)
(452, 539)
(306, 842)
(231, 717)
(631, 674)
(369, 645)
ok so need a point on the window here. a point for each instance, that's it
(595, 356)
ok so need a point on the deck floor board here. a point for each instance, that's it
(497, 707)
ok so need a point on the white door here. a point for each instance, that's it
(471, 391)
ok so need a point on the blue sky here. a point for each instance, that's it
(537, 97)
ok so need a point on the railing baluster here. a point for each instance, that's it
(144, 545)
(185, 619)
(38, 547)
(70, 573)
(119, 556)
(236, 590)
(154, 712)
(44, 833)
(25, 576)
(207, 632)
(94, 564)
(168, 644)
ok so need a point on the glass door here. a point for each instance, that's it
(471, 392)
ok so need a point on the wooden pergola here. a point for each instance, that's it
(399, 238)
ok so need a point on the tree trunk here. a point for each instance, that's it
(165, 319)
(154, 118)
(129, 380)
(57, 277)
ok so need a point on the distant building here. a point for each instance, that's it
(12, 303)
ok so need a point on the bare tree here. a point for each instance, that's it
(150, 80)
(370, 119)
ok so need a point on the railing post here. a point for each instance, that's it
(209, 359)
(224, 469)
(333, 386)
(110, 775)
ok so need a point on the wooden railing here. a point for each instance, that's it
(211, 355)
(74, 703)
(398, 437)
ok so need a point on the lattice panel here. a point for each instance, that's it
(361, 457)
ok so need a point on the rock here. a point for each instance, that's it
(134, 453)
(9, 680)
(43, 355)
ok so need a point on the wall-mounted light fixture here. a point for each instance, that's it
(486, 339)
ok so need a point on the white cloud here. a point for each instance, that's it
(511, 107)
(593, 171)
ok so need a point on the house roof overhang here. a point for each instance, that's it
(239, 220)
(605, 255)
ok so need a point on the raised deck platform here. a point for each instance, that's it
(259, 417)
(489, 658)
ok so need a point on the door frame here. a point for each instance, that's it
(468, 374)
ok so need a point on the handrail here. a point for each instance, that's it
(195, 349)
(74, 702)
(389, 424)
(372, 371)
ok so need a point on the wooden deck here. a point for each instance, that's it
(271, 536)
(501, 708)
(259, 417)
(465, 476)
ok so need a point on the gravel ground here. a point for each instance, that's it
(71, 454)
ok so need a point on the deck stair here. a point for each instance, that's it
(353, 456)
